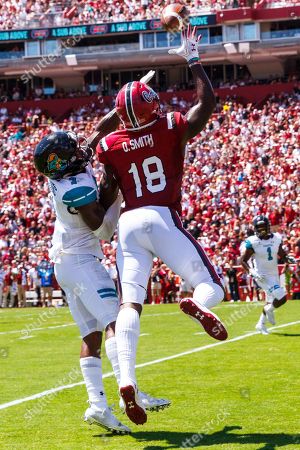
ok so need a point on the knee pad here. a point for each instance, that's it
(208, 294)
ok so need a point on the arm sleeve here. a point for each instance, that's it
(110, 220)
(79, 196)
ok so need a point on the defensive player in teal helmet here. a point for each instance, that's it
(264, 247)
(86, 214)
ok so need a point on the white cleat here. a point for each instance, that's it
(270, 315)
(150, 403)
(262, 329)
(105, 419)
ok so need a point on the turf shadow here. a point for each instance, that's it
(287, 334)
(181, 440)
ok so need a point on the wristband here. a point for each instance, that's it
(193, 61)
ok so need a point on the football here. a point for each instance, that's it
(174, 17)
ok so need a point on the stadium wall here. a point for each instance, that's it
(58, 108)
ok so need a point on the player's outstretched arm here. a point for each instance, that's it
(106, 125)
(199, 114)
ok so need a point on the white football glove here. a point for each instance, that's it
(256, 275)
(189, 48)
(291, 260)
(148, 77)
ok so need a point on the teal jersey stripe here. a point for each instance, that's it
(108, 296)
(100, 291)
(107, 293)
(79, 196)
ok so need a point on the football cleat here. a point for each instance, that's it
(105, 419)
(150, 403)
(134, 407)
(209, 321)
(270, 315)
(262, 328)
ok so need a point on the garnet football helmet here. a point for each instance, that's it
(261, 226)
(137, 105)
(60, 154)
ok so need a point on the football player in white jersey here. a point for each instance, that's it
(264, 248)
(81, 220)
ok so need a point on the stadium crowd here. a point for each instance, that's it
(33, 13)
(246, 161)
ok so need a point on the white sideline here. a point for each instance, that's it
(149, 363)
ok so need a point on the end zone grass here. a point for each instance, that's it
(240, 395)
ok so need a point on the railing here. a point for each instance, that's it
(110, 48)
(280, 34)
(12, 55)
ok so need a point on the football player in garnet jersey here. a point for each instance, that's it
(146, 158)
(265, 247)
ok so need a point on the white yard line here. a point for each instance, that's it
(161, 314)
(149, 363)
(27, 328)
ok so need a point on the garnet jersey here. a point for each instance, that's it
(148, 163)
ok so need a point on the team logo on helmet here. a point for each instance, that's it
(55, 163)
(149, 96)
(137, 105)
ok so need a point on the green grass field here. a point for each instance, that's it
(239, 395)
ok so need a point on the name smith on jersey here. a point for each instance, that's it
(134, 144)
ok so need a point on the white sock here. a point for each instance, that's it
(208, 294)
(262, 319)
(112, 354)
(91, 368)
(127, 334)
